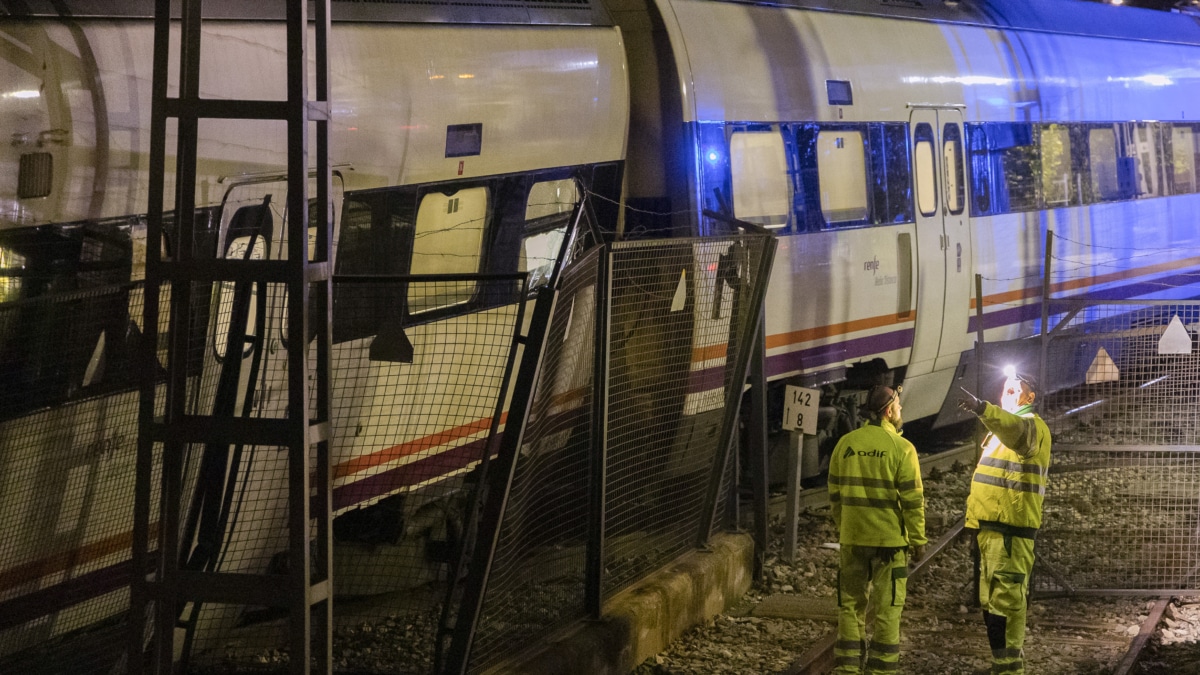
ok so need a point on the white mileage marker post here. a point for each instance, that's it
(800, 417)
(800, 409)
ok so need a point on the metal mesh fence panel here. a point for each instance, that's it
(1122, 509)
(68, 434)
(537, 578)
(419, 366)
(681, 311)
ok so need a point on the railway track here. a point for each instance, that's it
(819, 659)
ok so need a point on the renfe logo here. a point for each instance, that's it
(850, 452)
(871, 265)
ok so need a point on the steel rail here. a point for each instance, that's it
(1139, 642)
(819, 658)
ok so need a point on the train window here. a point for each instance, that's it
(891, 173)
(1102, 151)
(11, 266)
(547, 215)
(953, 168)
(1056, 165)
(1004, 160)
(842, 174)
(236, 301)
(1184, 152)
(761, 186)
(1146, 149)
(925, 170)
(448, 239)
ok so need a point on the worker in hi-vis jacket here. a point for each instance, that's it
(878, 504)
(1005, 507)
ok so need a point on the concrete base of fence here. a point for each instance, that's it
(644, 619)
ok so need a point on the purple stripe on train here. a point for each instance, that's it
(407, 475)
(823, 355)
(1033, 311)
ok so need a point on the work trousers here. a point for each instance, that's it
(880, 574)
(1004, 565)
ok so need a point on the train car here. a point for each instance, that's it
(463, 140)
(897, 149)
(900, 148)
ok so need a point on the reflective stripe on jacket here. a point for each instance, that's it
(1010, 480)
(875, 489)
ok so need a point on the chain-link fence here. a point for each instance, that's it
(1122, 509)
(419, 370)
(68, 429)
(640, 410)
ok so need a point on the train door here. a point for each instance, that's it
(944, 278)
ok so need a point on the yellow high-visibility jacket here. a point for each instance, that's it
(1010, 480)
(875, 489)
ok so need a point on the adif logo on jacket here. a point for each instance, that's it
(850, 452)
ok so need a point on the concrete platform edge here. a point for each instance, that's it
(643, 620)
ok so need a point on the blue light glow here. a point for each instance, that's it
(712, 156)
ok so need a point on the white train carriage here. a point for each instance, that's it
(899, 149)
(463, 139)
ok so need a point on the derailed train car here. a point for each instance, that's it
(463, 144)
(896, 151)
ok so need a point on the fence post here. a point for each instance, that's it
(759, 480)
(499, 483)
(593, 596)
(978, 333)
(1045, 337)
(733, 396)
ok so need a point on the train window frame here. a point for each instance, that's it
(953, 170)
(993, 148)
(858, 209)
(1110, 178)
(925, 170)
(1187, 157)
(549, 229)
(1062, 164)
(758, 161)
(1148, 149)
(430, 207)
(888, 174)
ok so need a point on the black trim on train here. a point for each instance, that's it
(1011, 167)
(530, 12)
(66, 295)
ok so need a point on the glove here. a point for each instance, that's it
(971, 403)
(915, 554)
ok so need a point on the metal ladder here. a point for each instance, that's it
(160, 586)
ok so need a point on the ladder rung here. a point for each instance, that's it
(268, 590)
(268, 271)
(225, 430)
(265, 590)
(244, 109)
(233, 109)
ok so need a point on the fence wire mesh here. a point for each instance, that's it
(1122, 509)
(536, 583)
(68, 434)
(679, 313)
(419, 366)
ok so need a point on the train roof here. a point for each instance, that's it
(534, 12)
(1068, 17)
